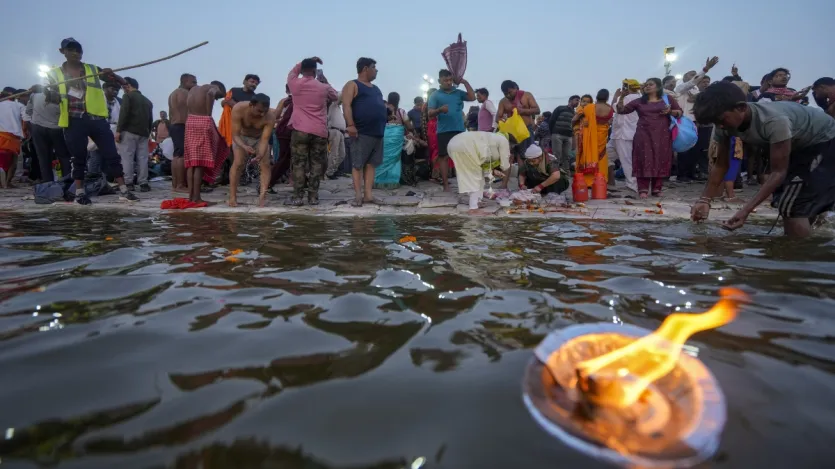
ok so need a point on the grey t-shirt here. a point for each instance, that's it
(41, 112)
(783, 120)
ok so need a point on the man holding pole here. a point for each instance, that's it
(77, 88)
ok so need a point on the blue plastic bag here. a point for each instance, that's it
(685, 133)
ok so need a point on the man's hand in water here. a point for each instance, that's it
(736, 221)
(700, 211)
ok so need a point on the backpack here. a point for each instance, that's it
(684, 132)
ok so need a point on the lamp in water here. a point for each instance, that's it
(627, 395)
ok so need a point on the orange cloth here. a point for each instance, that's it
(9, 142)
(591, 155)
(225, 127)
(180, 203)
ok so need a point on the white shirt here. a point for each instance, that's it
(11, 117)
(491, 108)
(686, 90)
(625, 125)
(336, 119)
(167, 147)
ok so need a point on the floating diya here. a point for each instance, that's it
(627, 395)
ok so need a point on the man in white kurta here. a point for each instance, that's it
(476, 156)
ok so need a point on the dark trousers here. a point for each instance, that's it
(50, 143)
(98, 130)
(696, 156)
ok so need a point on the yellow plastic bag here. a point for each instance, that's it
(514, 125)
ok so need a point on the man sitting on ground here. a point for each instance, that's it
(252, 125)
(802, 148)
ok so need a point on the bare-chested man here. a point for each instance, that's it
(252, 124)
(178, 108)
(205, 149)
(526, 105)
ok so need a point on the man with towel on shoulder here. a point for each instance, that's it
(205, 149)
(477, 155)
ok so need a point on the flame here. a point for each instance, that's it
(621, 376)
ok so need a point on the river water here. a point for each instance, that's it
(136, 341)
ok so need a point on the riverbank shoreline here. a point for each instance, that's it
(426, 198)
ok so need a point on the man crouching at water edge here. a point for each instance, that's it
(539, 175)
(477, 155)
(205, 149)
(802, 143)
(252, 125)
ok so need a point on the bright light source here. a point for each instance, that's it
(425, 76)
(671, 57)
(43, 68)
(425, 96)
(679, 76)
(42, 74)
(431, 80)
(424, 87)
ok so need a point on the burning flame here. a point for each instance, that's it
(620, 377)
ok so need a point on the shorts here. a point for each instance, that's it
(809, 189)
(250, 141)
(177, 132)
(366, 150)
(443, 142)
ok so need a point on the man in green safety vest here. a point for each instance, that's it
(84, 115)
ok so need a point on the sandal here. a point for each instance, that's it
(373, 201)
(356, 202)
(294, 201)
(643, 195)
(312, 199)
(658, 194)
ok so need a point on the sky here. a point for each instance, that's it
(552, 49)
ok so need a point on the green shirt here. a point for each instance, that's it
(136, 114)
(783, 120)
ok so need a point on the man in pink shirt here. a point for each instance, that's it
(309, 140)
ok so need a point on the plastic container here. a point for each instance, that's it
(579, 189)
(598, 187)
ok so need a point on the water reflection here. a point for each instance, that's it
(129, 340)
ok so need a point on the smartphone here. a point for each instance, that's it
(320, 74)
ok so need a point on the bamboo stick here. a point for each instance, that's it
(129, 67)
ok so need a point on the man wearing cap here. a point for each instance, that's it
(83, 115)
(539, 175)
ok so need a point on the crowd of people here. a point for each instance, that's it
(767, 131)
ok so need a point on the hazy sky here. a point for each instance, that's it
(551, 48)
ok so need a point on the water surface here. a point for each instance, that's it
(136, 341)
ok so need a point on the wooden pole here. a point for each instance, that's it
(129, 67)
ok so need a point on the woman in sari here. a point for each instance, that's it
(388, 173)
(594, 120)
(577, 126)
